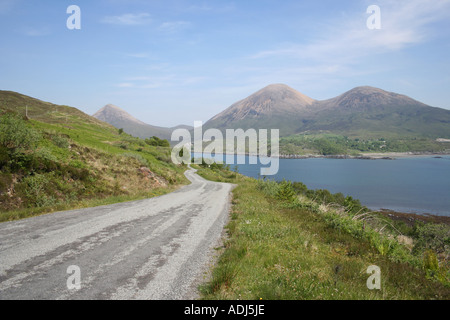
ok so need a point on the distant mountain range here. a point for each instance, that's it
(360, 111)
(122, 120)
(363, 112)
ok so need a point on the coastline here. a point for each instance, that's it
(368, 155)
(361, 156)
(411, 218)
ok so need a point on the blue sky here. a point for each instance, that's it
(174, 61)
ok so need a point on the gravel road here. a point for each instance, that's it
(155, 249)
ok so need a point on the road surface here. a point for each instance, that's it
(155, 249)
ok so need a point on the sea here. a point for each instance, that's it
(419, 185)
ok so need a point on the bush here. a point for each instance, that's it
(157, 142)
(286, 191)
(15, 135)
(35, 191)
(5, 182)
(432, 268)
(269, 187)
(432, 236)
(45, 154)
(4, 157)
(137, 157)
(60, 141)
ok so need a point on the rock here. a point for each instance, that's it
(149, 175)
(407, 241)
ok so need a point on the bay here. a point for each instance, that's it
(418, 185)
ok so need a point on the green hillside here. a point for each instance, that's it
(55, 157)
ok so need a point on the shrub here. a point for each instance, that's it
(5, 182)
(123, 145)
(432, 236)
(137, 157)
(60, 141)
(286, 191)
(34, 190)
(432, 268)
(15, 135)
(157, 142)
(45, 154)
(269, 187)
(4, 157)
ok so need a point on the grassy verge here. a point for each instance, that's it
(88, 203)
(279, 248)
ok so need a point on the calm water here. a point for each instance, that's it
(416, 185)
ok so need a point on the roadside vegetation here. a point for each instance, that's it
(67, 159)
(287, 242)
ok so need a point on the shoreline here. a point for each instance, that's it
(408, 218)
(361, 156)
(369, 156)
(411, 218)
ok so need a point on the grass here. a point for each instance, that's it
(276, 251)
(75, 161)
(23, 213)
(279, 246)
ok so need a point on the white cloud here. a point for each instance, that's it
(35, 32)
(165, 80)
(173, 26)
(129, 19)
(403, 23)
(125, 85)
(139, 55)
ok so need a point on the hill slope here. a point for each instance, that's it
(59, 158)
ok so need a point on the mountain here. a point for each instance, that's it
(115, 116)
(368, 110)
(275, 106)
(122, 120)
(361, 111)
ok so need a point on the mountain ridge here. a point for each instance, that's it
(361, 109)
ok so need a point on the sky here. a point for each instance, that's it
(174, 62)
